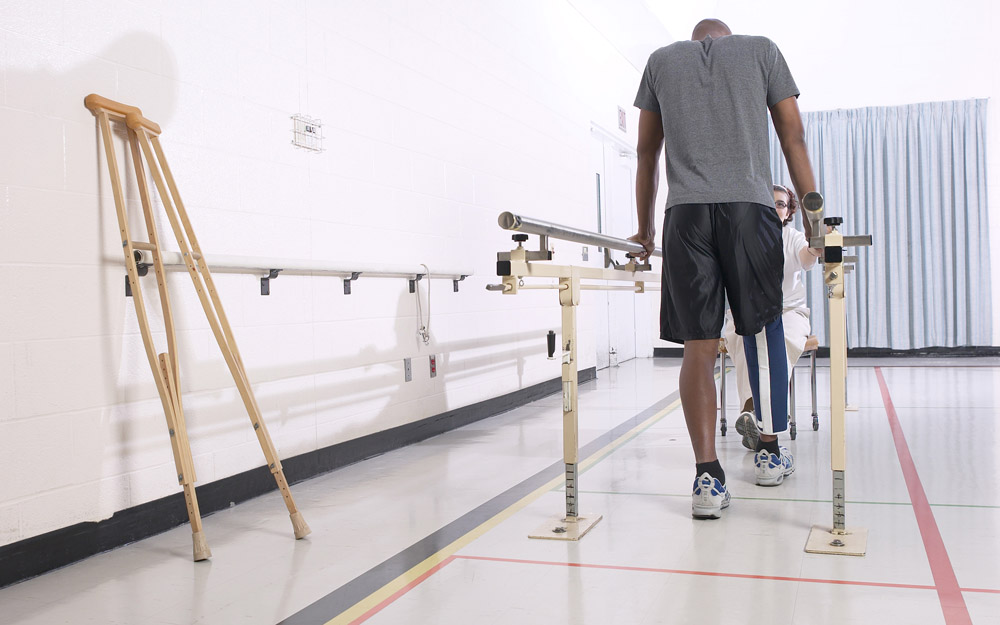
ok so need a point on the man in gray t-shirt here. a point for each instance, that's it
(716, 93)
(706, 101)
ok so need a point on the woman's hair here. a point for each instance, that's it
(793, 204)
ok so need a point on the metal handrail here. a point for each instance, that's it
(530, 225)
(259, 265)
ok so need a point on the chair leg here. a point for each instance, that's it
(722, 392)
(791, 404)
(812, 374)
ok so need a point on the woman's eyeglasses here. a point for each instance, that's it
(780, 204)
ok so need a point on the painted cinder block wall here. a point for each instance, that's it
(438, 114)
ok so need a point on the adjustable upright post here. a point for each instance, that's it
(572, 525)
(569, 297)
(520, 263)
(838, 539)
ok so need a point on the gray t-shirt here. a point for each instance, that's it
(713, 96)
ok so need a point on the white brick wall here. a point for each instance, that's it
(438, 114)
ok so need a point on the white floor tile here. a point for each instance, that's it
(367, 513)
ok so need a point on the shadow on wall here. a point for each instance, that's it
(360, 392)
(138, 68)
(357, 393)
(59, 167)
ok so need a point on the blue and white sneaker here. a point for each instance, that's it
(771, 470)
(709, 498)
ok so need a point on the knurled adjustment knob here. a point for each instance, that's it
(833, 221)
(520, 238)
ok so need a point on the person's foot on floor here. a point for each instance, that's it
(770, 468)
(709, 497)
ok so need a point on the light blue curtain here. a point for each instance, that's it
(914, 177)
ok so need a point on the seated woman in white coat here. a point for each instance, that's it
(799, 257)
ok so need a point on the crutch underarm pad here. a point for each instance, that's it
(97, 103)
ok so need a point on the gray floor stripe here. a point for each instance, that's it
(365, 584)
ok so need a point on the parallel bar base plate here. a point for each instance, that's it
(566, 528)
(855, 541)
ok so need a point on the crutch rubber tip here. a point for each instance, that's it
(299, 524)
(201, 550)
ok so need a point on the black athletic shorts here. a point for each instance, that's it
(715, 250)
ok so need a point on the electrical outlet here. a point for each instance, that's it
(434, 366)
(407, 370)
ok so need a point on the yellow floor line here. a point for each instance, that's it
(360, 608)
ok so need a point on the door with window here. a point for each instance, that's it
(614, 181)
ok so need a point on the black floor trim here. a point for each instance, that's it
(378, 576)
(33, 556)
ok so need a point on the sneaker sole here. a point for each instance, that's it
(708, 512)
(749, 433)
(774, 481)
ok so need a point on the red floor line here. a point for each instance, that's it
(992, 591)
(949, 592)
(776, 578)
(402, 591)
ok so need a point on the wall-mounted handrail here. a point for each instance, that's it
(262, 265)
(269, 268)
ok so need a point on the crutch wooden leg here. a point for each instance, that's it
(212, 306)
(163, 367)
(183, 461)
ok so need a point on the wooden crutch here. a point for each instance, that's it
(144, 142)
(165, 369)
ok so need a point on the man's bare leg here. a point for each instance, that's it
(697, 390)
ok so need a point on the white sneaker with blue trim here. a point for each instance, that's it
(772, 470)
(710, 497)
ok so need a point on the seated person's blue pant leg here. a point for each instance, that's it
(767, 366)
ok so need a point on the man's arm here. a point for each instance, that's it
(647, 177)
(788, 125)
(809, 255)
